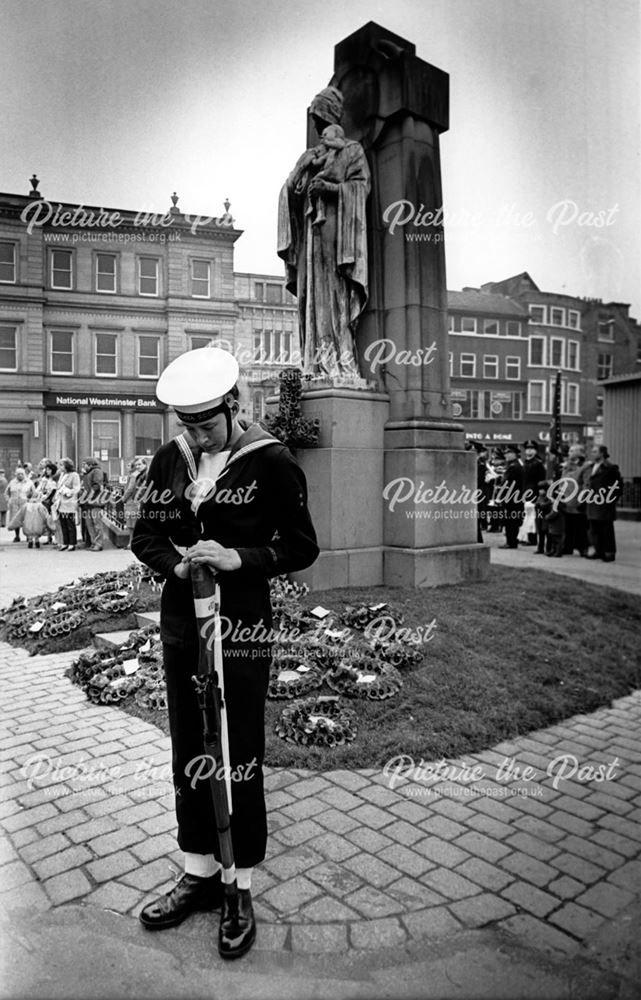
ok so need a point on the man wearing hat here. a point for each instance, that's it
(231, 497)
(512, 492)
(533, 473)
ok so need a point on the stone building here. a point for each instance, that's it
(95, 302)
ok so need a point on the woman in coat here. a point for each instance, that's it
(605, 485)
(19, 490)
(66, 503)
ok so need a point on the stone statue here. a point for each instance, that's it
(322, 238)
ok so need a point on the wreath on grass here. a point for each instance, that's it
(321, 722)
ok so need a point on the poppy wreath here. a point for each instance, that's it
(365, 678)
(321, 722)
(291, 676)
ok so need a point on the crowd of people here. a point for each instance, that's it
(54, 504)
(568, 507)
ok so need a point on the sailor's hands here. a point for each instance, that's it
(182, 570)
(212, 554)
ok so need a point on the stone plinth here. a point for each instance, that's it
(345, 477)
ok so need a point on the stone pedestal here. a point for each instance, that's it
(345, 476)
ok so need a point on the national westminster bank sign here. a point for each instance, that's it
(101, 400)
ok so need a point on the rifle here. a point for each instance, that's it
(210, 690)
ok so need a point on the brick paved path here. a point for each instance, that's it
(352, 864)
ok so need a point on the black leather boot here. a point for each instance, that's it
(188, 896)
(237, 932)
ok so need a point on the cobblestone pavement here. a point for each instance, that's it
(521, 882)
(352, 863)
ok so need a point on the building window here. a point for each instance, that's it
(606, 331)
(604, 367)
(273, 293)
(148, 429)
(450, 324)
(490, 366)
(557, 351)
(574, 319)
(501, 405)
(572, 399)
(106, 354)
(273, 347)
(468, 365)
(200, 279)
(466, 403)
(259, 291)
(61, 352)
(537, 314)
(491, 327)
(536, 397)
(450, 358)
(512, 368)
(8, 349)
(639, 353)
(537, 351)
(468, 324)
(148, 357)
(147, 276)
(195, 343)
(105, 272)
(513, 328)
(557, 316)
(599, 409)
(8, 263)
(573, 355)
(61, 269)
(106, 439)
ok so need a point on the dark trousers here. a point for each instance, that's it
(68, 528)
(246, 681)
(576, 533)
(555, 545)
(602, 537)
(513, 519)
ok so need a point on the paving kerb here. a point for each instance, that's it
(471, 877)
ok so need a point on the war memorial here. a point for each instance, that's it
(366, 294)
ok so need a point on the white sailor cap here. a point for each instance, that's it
(196, 382)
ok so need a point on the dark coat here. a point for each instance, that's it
(603, 483)
(512, 489)
(533, 474)
(271, 530)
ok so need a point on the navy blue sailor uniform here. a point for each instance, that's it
(258, 507)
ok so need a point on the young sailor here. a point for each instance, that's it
(231, 497)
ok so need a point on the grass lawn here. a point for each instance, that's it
(519, 652)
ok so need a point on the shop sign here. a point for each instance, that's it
(101, 400)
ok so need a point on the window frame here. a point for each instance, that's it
(52, 255)
(467, 358)
(577, 363)
(14, 328)
(557, 309)
(116, 355)
(576, 411)
(510, 361)
(610, 339)
(530, 385)
(552, 363)
(192, 278)
(599, 364)
(577, 314)
(513, 322)
(97, 273)
(156, 260)
(537, 305)
(72, 352)
(544, 351)
(489, 358)
(139, 355)
(14, 262)
(471, 319)
(495, 322)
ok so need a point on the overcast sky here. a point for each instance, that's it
(120, 102)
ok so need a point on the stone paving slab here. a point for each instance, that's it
(348, 869)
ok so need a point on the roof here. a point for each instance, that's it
(617, 379)
(474, 301)
(515, 285)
